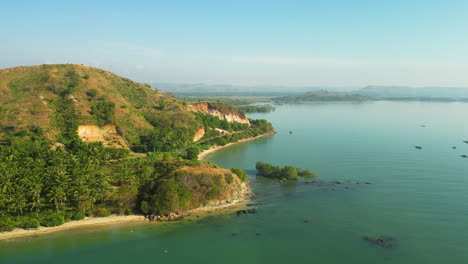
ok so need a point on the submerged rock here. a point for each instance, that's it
(418, 147)
(381, 241)
(248, 211)
(332, 184)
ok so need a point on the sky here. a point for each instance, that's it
(295, 43)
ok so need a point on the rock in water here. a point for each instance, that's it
(381, 241)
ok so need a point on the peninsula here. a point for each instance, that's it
(79, 142)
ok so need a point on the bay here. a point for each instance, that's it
(417, 197)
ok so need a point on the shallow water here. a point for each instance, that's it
(418, 197)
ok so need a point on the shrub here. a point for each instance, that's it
(92, 93)
(101, 212)
(240, 173)
(289, 173)
(31, 224)
(103, 111)
(6, 224)
(53, 220)
(229, 178)
(192, 153)
(306, 173)
(78, 216)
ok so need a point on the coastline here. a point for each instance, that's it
(127, 219)
(87, 222)
(122, 219)
(202, 155)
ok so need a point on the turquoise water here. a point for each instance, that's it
(418, 197)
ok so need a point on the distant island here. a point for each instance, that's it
(321, 96)
(77, 141)
(248, 95)
(378, 94)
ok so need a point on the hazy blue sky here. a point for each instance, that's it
(329, 42)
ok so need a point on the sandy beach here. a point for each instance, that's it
(125, 219)
(202, 155)
(87, 222)
(115, 220)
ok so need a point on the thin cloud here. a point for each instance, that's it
(295, 61)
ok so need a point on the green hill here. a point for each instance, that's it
(43, 96)
(66, 101)
(68, 141)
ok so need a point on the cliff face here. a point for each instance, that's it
(106, 134)
(199, 134)
(221, 110)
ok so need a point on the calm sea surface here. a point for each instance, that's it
(417, 197)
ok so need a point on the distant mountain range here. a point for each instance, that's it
(279, 90)
(226, 90)
(404, 91)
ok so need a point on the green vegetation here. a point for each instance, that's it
(211, 122)
(184, 188)
(172, 131)
(6, 224)
(257, 128)
(240, 173)
(306, 173)
(31, 224)
(285, 173)
(78, 216)
(92, 93)
(264, 108)
(48, 175)
(54, 219)
(103, 111)
(67, 184)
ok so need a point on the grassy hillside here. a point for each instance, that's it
(35, 96)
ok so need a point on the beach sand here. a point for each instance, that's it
(87, 222)
(117, 220)
(202, 155)
(126, 219)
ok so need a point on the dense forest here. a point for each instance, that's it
(46, 184)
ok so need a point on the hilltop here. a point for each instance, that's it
(100, 106)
